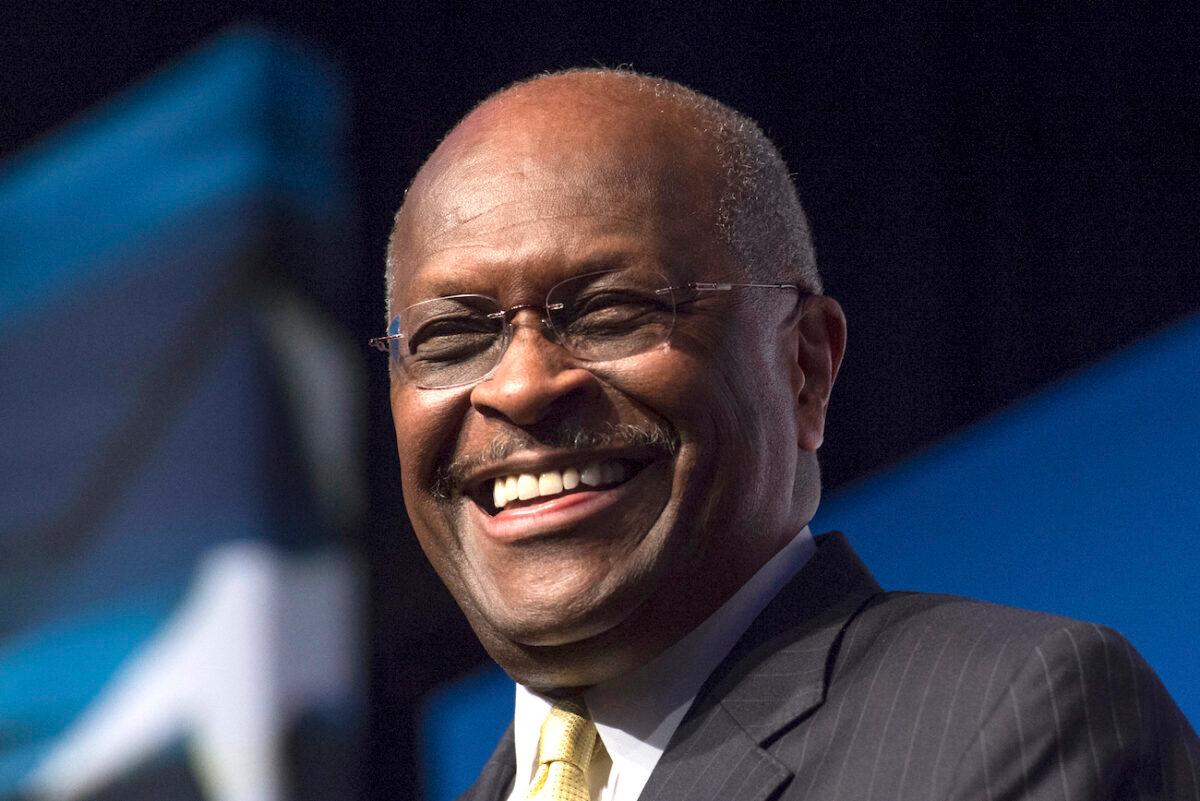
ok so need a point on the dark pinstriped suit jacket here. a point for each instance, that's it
(841, 691)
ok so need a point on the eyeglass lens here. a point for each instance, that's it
(600, 316)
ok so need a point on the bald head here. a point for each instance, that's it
(625, 132)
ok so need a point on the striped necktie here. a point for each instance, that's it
(565, 748)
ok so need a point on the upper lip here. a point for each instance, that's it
(541, 462)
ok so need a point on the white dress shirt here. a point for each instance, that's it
(637, 713)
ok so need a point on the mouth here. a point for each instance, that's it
(519, 489)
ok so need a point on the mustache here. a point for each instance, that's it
(451, 476)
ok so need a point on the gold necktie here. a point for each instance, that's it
(564, 752)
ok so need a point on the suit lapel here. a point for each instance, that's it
(772, 679)
(712, 758)
(496, 777)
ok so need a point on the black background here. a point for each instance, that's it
(1000, 194)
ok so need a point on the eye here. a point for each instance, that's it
(453, 337)
(612, 312)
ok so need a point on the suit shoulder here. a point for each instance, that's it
(901, 609)
(988, 684)
(981, 645)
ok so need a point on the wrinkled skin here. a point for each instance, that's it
(533, 188)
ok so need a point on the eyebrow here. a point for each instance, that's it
(460, 280)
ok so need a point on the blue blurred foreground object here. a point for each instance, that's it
(1081, 501)
(177, 619)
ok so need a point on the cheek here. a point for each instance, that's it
(726, 398)
(427, 425)
(426, 429)
(703, 397)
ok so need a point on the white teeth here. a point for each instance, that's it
(592, 475)
(550, 483)
(570, 478)
(525, 486)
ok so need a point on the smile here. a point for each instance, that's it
(589, 501)
(517, 487)
(531, 483)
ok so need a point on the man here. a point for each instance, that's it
(611, 365)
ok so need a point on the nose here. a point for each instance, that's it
(535, 378)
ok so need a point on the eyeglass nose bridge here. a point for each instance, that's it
(509, 316)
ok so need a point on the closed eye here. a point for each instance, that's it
(614, 312)
(451, 338)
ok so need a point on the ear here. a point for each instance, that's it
(820, 336)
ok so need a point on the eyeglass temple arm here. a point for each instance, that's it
(382, 343)
(714, 286)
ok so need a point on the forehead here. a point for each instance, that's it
(505, 219)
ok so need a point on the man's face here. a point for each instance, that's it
(692, 443)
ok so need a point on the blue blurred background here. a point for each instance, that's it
(208, 588)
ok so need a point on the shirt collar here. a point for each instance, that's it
(637, 713)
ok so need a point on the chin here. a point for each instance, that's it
(553, 666)
(555, 642)
(556, 621)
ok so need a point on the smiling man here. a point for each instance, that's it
(611, 362)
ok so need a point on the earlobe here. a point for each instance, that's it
(821, 343)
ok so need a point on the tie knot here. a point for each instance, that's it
(568, 735)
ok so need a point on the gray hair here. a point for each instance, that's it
(759, 216)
